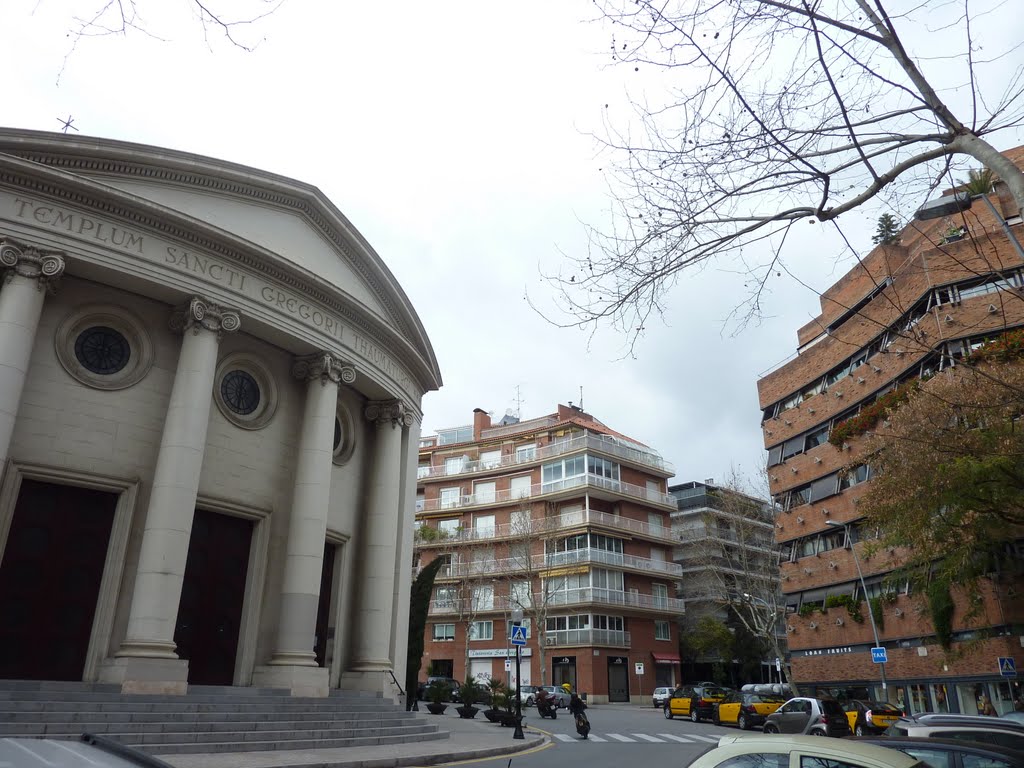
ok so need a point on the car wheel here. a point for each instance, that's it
(668, 712)
(818, 732)
(715, 718)
(769, 728)
(529, 701)
(742, 722)
(859, 730)
(695, 715)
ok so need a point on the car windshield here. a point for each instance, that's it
(831, 707)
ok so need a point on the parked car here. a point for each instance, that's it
(784, 751)
(1015, 716)
(421, 689)
(91, 750)
(561, 697)
(991, 730)
(816, 717)
(871, 717)
(949, 753)
(661, 696)
(682, 702)
(745, 710)
(528, 695)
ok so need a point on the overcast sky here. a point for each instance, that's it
(455, 137)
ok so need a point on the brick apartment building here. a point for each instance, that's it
(567, 519)
(905, 311)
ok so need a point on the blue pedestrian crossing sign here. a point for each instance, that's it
(879, 656)
(518, 634)
(1007, 666)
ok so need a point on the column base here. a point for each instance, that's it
(300, 680)
(146, 675)
(376, 681)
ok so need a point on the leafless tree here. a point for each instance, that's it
(230, 19)
(466, 585)
(734, 562)
(780, 112)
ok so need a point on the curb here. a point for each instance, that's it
(418, 760)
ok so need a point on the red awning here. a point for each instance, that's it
(666, 658)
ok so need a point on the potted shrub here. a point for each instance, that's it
(468, 693)
(507, 716)
(437, 693)
(494, 687)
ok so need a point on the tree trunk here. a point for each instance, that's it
(992, 158)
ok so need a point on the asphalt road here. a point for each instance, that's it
(620, 736)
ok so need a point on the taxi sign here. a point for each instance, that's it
(879, 656)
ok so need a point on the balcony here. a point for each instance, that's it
(427, 536)
(567, 598)
(589, 483)
(612, 638)
(491, 566)
(595, 443)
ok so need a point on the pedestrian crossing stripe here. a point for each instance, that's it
(670, 737)
(658, 738)
(563, 737)
(620, 737)
(596, 738)
(645, 737)
(709, 739)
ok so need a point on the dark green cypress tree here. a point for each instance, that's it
(419, 604)
(888, 231)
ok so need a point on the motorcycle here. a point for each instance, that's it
(547, 708)
(582, 725)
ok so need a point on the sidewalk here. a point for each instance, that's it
(468, 740)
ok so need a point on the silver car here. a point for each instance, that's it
(558, 694)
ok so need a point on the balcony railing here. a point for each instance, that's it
(569, 597)
(486, 566)
(538, 526)
(509, 496)
(609, 637)
(559, 448)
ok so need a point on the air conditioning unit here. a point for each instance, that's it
(813, 625)
(839, 622)
(898, 612)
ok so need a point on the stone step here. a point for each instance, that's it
(92, 716)
(228, 732)
(131, 705)
(92, 696)
(63, 727)
(182, 748)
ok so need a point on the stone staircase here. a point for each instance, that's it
(207, 719)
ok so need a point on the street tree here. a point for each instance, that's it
(466, 581)
(778, 112)
(948, 471)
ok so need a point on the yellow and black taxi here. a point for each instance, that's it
(746, 709)
(871, 717)
(694, 702)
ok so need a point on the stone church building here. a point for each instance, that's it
(210, 390)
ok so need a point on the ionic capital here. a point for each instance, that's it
(198, 313)
(45, 267)
(325, 367)
(394, 411)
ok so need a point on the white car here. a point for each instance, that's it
(800, 752)
(661, 697)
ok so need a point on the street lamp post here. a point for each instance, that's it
(860, 575)
(517, 620)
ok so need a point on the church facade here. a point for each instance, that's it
(210, 390)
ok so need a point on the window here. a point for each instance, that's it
(423, 470)
(563, 470)
(526, 452)
(519, 594)
(601, 467)
(484, 493)
(792, 447)
(454, 465)
(808, 761)
(481, 630)
(455, 435)
(659, 593)
(520, 521)
(822, 488)
(853, 477)
(490, 459)
(421, 501)
(445, 597)
(605, 579)
(816, 438)
(450, 526)
(519, 487)
(528, 623)
(775, 456)
(661, 630)
(450, 497)
(758, 760)
(612, 623)
(483, 597)
(444, 632)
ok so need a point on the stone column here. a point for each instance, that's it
(403, 580)
(28, 273)
(294, 661)
(372, 640)
(146, 661)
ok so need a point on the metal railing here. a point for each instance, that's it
(538, 526)
(610, 637)
(539, 490)
(489, 565)
(552, 450)
(568, 597)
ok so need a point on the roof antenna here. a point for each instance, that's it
(519, 403)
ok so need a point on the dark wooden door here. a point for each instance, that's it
(210, 610)
(50, 579)
(323, 611)
(618, 682)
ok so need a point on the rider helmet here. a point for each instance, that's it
(566, 687)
